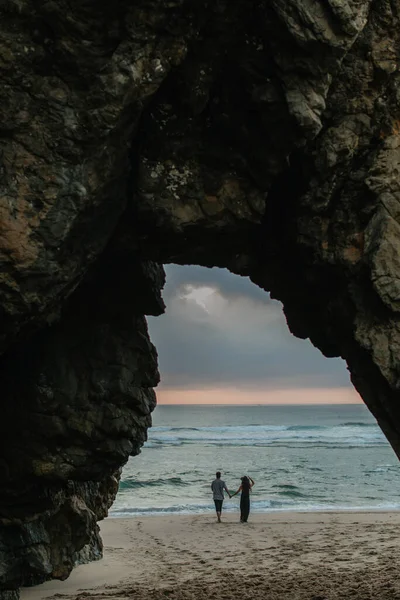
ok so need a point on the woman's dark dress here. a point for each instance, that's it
(245, 505)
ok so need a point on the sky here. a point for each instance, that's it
(222, 340)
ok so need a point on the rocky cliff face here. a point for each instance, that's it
(259, 136)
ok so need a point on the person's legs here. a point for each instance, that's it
(244, 508)
(218, 508)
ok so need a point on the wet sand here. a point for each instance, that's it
(310, 556)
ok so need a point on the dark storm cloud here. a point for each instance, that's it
(220, 330)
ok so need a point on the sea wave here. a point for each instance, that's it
(305, 427)
(357, 424)
(345, 434)
(288, 490)
(262, 506)
(131, 483)
(384, 469)
(285, 486)
(349, 444)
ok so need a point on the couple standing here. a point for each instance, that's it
(218, 486)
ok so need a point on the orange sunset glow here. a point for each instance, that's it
(342, 395)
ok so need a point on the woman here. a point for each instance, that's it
(245, 488)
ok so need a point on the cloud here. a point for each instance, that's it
(220, 330)
(221, 280)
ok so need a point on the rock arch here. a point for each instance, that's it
(260, 137)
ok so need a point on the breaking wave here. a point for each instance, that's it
(345, 434)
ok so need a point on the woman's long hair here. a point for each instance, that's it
(245, 484)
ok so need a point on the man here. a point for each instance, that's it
(218, 486)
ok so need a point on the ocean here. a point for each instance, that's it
(302, 458)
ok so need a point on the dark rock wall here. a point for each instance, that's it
(77, 400)
(260, 136)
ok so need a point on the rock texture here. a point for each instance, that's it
(77, 403)
(260, 136)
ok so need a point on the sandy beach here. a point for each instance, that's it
(314, 556)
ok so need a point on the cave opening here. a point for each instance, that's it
(240, 394)
(261, 137)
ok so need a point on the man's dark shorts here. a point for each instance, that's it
(218, 505)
